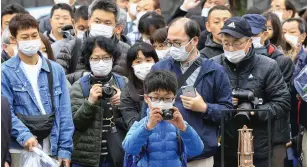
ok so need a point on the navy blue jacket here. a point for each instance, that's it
(213, 85)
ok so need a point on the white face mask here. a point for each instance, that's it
(80, 34)
(62, 1)
(132, 9)
(279, 15)
(162, 53)
(205, 12)
(141, 70)
(257, 42)
(102, 68)
(101, 30)
(235, 56)
(180, 54)
(29, 48)
(291, 38)
(163, 105)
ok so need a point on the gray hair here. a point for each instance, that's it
(107, 5)
(6, 35)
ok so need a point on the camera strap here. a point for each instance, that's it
(182, 79)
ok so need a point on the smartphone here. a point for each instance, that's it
(188, 91)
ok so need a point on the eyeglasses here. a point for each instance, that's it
(165, 99)
(235, 45)
(96, 60)
(177, 44)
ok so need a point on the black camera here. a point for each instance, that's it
(68, 31)
(108, 91)
(167, 114)
(247, 100)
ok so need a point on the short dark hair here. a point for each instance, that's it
(13, 9)
(106, 5)
(301, 24)
(104, 43)
(160, 35)
(47, 44)
(277, 38)
(219, 7)
(81, 12)
(149, 22)
(290, 6)
(191, 27)
(22, 22)
(148, 51)
(160, 80)
(62, 6)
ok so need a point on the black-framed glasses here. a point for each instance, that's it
(165, 99)
(177, 44)
(96, 60)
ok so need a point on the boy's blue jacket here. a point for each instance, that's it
(214, 87)
(162, 147)
(18, 90)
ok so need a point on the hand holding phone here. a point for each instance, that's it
(189, 91)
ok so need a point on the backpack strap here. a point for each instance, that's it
(86, 86)
(75, 54)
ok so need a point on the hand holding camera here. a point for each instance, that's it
(155, 116)
(178, 120)
(95, 93)
(115, 100)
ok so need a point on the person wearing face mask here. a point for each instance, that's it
(103, 17)
(131, 16)
(142, 8)
(294, 33)
(44, 21)
(140, 58)
(61, 15)
(148, 24)
(81, 21)
(216, 19)
(9, 47)
(159, 133)
(284, 9)
(249, 70)
(202, 111)
(95, 100)
(36, 90)
(263, 46)
(158, 39)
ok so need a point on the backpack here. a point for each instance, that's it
(132, 161)
(86, 86)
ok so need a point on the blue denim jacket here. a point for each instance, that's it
(18, 90)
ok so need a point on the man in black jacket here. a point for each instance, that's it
(216, 19)
(248, 70)
(262, 46)
(6, 128)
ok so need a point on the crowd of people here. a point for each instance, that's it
(115, 84)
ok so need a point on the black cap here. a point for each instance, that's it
(237, 27)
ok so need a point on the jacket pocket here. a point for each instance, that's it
(21, 96)
(57, 94)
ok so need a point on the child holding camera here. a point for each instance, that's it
(154, 139)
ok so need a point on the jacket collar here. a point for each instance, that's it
(15, 62)
(211, 43)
